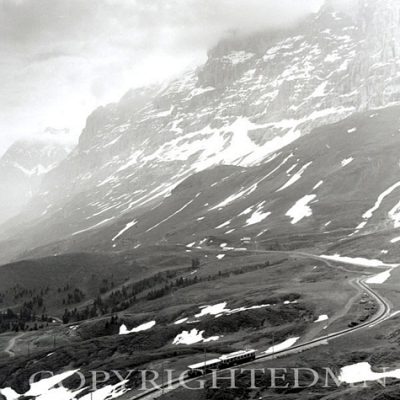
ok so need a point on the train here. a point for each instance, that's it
(225, 361)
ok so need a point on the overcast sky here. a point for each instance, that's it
(59, 59)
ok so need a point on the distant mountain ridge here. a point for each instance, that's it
(252, 97)
(22, 168)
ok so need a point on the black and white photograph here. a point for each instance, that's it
(200, 199)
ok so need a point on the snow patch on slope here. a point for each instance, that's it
(123, 330)
(295, 177)
(282, 346)
(301, 209)
(171, 216)
(394, 214)
(258, 215)
(380, 278)
(238, 57)
(364, 262)
(212, 310)
(47, 389)
(347, 161)
(128, 226)
(320, 183)
(362, 372)
(321, 318)
(194, 336)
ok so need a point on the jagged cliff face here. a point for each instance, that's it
(376, 68)
(22, 168)
(252, 97)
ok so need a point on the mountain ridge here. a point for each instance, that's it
(22, 168)
(320, 192)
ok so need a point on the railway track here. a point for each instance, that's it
(382, 315)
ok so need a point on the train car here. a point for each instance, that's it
(238, 357)
(225, 361)
(204, 367)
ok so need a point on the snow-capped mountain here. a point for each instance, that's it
(252, 97)
(23, 166)
(336, 189)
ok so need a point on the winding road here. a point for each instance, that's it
(383, 313)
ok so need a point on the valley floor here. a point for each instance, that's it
(260, 298)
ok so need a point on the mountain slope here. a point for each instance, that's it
(339, 184)
(252, 97)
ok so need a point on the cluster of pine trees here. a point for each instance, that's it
(74, 297)
(23, 320)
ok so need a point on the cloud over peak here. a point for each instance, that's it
(62, 58)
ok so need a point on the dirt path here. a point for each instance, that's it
(11, 344)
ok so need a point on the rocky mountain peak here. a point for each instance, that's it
(33, 156)
(253, 96)
(23, 166)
